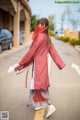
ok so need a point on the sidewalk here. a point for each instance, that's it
(13, 50)
(77, 48)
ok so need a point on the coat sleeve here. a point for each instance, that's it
(29, 56)
(55, 56)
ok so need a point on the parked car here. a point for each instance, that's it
(21, 37)
(6, 39)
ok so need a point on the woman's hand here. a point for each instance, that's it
(18, 68)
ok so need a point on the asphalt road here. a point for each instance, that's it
(64, 89)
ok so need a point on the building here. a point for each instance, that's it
(15, 16)
(69, 33)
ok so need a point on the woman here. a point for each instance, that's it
(38, 55)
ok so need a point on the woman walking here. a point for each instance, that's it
(38, 55)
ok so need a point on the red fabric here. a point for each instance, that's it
(38, 53)
(56, 58)
(38, 30)
(38, 97)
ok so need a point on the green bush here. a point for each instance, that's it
(64, 38)
(61, 38)
(74, 41)
(77, 42)
(51, 33)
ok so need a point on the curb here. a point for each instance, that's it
(13, 50)
(77, 48)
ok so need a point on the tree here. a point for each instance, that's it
(51, 22)
(34, 20)
(66, 15)
(74, 24)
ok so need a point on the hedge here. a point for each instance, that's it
(73, 41)
(51, 33)
(64, 38)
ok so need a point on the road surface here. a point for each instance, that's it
(64, 89)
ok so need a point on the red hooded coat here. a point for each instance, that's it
(39, 53)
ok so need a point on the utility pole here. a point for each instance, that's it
(62, 20)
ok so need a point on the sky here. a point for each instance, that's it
(45, 8)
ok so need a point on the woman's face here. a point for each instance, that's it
(40, 25)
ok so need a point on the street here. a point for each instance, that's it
(64, 89)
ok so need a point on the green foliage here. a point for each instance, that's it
(33, 22)
(51, 27)
(35, 18)
(51, 22)
(64, 38)
(51, 33)
(74, 41)
(77, 42)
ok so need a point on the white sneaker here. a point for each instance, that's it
(50, 110)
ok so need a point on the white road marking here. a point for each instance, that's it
(76, 67)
